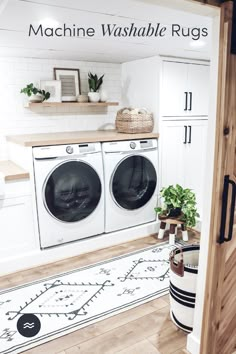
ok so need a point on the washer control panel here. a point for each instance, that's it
(132, 145)
(69, 149)
(57, 151)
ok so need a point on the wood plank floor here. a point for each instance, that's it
(146, 329)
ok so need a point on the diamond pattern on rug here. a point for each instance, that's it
(147, 269)
(62, 299)
(78, 298)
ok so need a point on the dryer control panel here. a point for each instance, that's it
(146, 144)
(130, 145)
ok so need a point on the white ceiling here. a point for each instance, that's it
(17, 15)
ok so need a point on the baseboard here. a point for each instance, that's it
(193, 344)
(40, 257)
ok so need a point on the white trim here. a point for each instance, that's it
(184, 60)
(38, 257)
(193, 344)
(194, 339)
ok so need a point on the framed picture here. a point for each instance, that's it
(54, 87)
(70, 83)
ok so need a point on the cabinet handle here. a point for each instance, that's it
(186, 101)
(190, 134)
(191, 101)
(222, 237)
(185, 134)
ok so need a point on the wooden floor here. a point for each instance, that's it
(146, 329)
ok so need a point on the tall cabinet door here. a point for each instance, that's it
(174, 89)
(183, 150)
(198, 89)
(173, 140)
(195, 157)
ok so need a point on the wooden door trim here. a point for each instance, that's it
(225, 119)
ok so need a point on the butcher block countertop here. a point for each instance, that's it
(11, 171)
(76, 137)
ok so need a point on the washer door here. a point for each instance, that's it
(72, 191)
(134, 182)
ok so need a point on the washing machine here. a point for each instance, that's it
(69, 192)
(131, 183)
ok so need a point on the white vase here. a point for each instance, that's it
(103, 95)
(94, 96)
(36, 98)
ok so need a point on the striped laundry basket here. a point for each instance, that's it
(183, 282)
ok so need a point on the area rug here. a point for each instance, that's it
(37, 312)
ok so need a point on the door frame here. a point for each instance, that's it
(203, 338)
(223, 165)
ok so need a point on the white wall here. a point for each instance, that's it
(15, 73)
(141, 85)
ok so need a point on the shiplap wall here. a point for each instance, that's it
(15, 73)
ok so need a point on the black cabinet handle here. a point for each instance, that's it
(186, 101)
(227, 183)
(190, 101)
(190, 134)
(185, 134)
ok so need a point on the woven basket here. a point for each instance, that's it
(134, 123)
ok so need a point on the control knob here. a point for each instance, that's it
(69, 149)
(132, 145)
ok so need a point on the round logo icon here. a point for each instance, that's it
(28, 325)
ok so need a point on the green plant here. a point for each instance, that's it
(30, 90)
(178, 197)
(94, 82)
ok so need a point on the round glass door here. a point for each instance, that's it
(134, 182)
(72, 192)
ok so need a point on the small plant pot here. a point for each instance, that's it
(174, 213)
(103, 95)
(94, 96)
(38, 98)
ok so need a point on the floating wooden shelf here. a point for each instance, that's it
(11, 171)
(71, 104)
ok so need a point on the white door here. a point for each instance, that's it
(198, 90)
(174, 89)
(195, 153)
(173, 141)
(183, 150)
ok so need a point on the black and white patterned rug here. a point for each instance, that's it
(40, 311)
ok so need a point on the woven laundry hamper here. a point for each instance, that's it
(183, 282)
(140, 122)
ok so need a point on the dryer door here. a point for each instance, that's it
(72, 191)
(134, 182)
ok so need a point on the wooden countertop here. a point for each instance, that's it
(76, 137)
(11, 171)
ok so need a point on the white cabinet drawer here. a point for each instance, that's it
(16, 226)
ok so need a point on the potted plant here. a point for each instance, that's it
(94, 85)
(178, 203)
(34, 94)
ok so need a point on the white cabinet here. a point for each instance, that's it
(183, 150)
(198, 89)
(174, 86)
(16, 223)
(184, 90)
